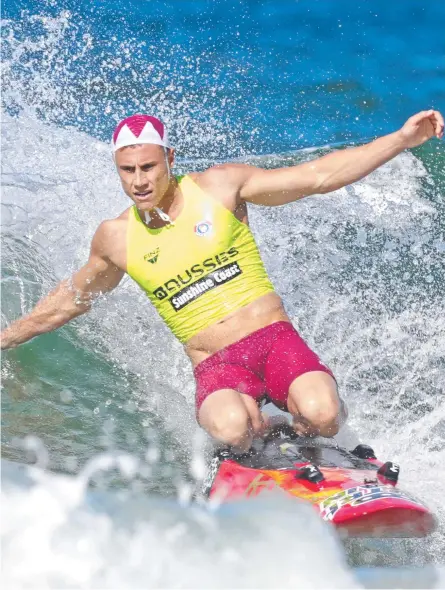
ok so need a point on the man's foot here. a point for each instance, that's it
(303, 428)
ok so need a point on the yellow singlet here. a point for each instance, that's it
(201, 268)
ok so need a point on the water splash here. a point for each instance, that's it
(57, 69)
(361, 273)
(65, 537)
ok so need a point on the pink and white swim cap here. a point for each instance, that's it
(139, 129)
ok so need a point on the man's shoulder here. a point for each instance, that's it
(111, 230)
(222, 181)
(229, 173)
(116, 223)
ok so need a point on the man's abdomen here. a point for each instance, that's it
(260, 313)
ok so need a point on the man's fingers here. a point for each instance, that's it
(258, 423)
(438, 124)
(418, 117)
(439, 117)
(435, 117)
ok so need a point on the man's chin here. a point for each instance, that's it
(144, 205)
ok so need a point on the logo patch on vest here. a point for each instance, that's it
(189, 275)
(203, 228)
(152, 256)
(207, 283)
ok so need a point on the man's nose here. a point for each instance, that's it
(140, 177)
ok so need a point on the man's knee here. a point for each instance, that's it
(231, 427)
(314, 397)
(322, 414)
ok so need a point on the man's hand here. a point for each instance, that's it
(70, 298)
(51, 312)
(422, 127)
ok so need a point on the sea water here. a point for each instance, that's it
(105, 405)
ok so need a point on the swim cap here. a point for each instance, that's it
(139, 129)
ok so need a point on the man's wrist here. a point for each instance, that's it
(400, 140)
(7, 340)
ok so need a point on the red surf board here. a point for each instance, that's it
(351, 492)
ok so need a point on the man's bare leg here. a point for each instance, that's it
(315, 405)
(231, 418)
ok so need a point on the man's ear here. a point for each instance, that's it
(171, 156)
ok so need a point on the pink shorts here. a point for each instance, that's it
(262, 365)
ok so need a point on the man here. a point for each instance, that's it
(186, 242)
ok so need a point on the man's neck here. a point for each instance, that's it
(170, 205)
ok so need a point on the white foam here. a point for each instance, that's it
(53, 535)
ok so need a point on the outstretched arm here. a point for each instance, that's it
(68, 300)
(326, 174)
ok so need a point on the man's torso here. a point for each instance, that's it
(264, 310)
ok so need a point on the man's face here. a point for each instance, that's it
(144, 174)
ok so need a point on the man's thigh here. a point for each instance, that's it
(292, 367)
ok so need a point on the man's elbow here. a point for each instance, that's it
(323, 184)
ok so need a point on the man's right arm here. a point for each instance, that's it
(69, 299)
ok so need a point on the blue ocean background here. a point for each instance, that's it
(105, 405)
(274, 76)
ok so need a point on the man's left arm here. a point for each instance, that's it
(331, 172)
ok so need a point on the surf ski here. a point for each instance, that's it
(353, 490)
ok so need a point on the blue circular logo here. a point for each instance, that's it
(203, 228)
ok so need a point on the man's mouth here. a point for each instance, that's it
(143, 196)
